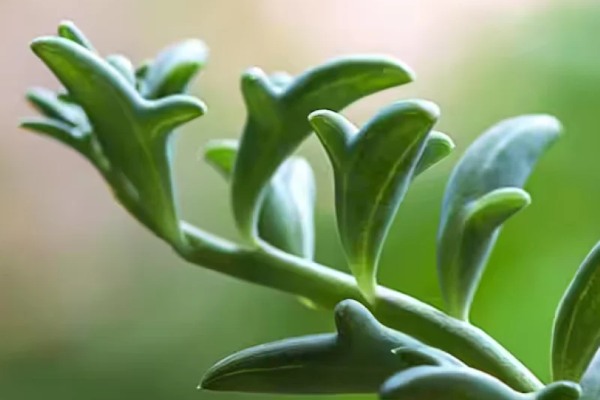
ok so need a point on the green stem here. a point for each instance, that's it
(268, 266)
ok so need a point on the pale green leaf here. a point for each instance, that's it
(373, 168)
(457, 383)
(483, 191)
(277, 119)
(357, 359)
(576, 335)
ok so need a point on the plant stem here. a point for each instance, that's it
(268, 266)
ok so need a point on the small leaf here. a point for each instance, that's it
(68, 30)
(576, 335)
(173, 69)
(484, 191)
(437, 147)
(590, 382)
(448, 382)
(286, 219)
(131, 132)
(123, 66)
(373, 167)
(355, 360)
(276, 122)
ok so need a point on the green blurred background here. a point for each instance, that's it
(92, 306)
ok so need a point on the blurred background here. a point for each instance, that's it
(93, 306)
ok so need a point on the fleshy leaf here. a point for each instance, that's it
(483, 191)
(123, 66)
(276, 123)
(286, 218)
(576, 335)
(173, 69)
(448, 382)
(131, 132)
(438, 146)
(590, 381)
(68, 30)
(373, 168)
(355, 360)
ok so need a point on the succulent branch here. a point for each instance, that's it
(121, 118)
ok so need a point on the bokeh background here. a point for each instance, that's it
(92, 306)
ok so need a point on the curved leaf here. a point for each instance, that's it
(590, 381)
(373, 167)
(173, 69)
(123, 66)
(576, 335)
(132, 132)
(287, 215)
(438, 146)
(447, 382)
(355, 360)
(484, 191)
(68, 30)
(276, 122)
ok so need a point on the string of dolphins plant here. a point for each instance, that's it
(122, 119)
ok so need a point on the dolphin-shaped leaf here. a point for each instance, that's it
(124, 66)
(276, 123)
(483, 191)
(576, 335)
(448, 382)
(590, 381)
(373, 167)
(173, 69)
(131, 133)
(355, 360)
(287, 215)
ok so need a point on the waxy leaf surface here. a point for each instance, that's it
(277, 110)
(484, 190)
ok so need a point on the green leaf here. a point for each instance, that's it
(355, 360)
(450, 382)
(123, 66)
(68, 30)
(576, 335)
(373, 168)
(590, 381)
(276, 123)
(483, 191)
(132, 133)
(287, 215)
(437, 147)
(173, 69)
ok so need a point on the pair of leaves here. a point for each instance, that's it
(576, 336)
(123, 131)
(357, 359)
(448, 382)
(277, 111)
(484, 190)
(373, 168)
(287, 214)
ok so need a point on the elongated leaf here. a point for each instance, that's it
(447, 382)
(287, 215)
(576, 335)
(173, 69)
(373, 167)
(590, 381)
(355, 360)
(132, 132)
(483, 191)
(277, 119)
